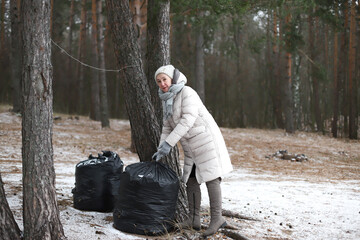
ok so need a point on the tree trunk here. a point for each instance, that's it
(145, 127)
(104, 108)
(95, 91)
(41, 213)
(289, 118)
(314, 71)
(138, 9)
(352, 50)
(200, 65)
(51, 15)
(117, 96)
(2, 30)
(15, 56)
(276, 88)
(81, 51)
(357, 73)
(334, 126)
(158, 47)
(9, 230)
(239, 82)
(141, 113)
(70, 84)
(281, 74)
(343, 68)
(70, 37)
(269, 71)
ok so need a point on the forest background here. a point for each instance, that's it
(262, 64)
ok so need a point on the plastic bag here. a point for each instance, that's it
(95, 181)
(147, 199)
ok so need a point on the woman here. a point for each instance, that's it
(187, 120)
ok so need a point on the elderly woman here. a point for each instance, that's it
(187, 120)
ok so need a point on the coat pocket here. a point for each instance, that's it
(193, 132)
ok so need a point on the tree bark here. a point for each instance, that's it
(104, 108)
(15, 55)
(9, 230)
(70, 37)
(357, 72)
(139, 10)
(289, 118)
(41, 213)
(352, 54)
(51, 16)
(314, 76)
(334, 126)
(239, 83)
(343, 73)
(70, 84)
(95, 91)
(276, 87)
(269, 71)
(117, 95)
(2, 29)
(81, 51)
(158, 47)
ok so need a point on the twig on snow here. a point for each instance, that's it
(229, 213)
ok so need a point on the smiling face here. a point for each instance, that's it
(163, 81)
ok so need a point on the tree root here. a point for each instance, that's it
(228, 213)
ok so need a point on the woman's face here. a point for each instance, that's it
(163, 81)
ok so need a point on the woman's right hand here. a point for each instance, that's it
(163, 150)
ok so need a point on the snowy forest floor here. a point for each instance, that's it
(314, 199)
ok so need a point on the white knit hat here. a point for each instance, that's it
(167, 69)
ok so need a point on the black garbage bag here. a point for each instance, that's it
(95, 181)
(147, 199)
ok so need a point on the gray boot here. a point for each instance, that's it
(194, 197)
(217, 221)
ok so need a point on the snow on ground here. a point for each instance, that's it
(315, 199)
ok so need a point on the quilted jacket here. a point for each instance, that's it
(199, 135)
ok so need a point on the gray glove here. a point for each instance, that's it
(163, 150)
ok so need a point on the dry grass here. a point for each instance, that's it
(329, 158)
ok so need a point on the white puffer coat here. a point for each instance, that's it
(199, 135)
